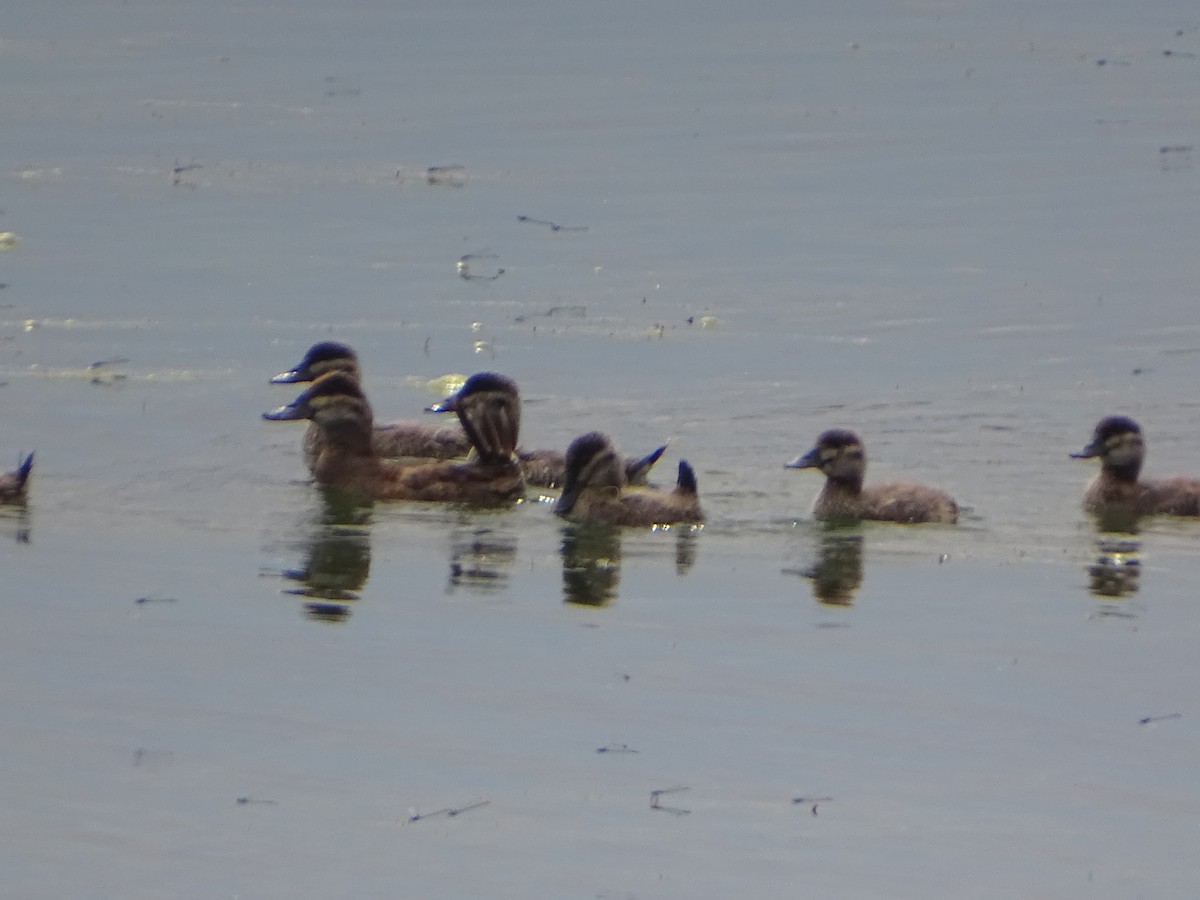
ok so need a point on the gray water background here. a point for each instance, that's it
(966, 230)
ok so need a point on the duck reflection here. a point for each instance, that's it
(591, 563)
(1117, 570)
(481, 559)
(685, 548)
(837, 572)
(15, 523)
(337, 559)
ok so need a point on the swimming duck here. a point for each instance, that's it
(406, 438)
(403, 438)
(840, 456)
(1118, 442)
(488, 407)
(596, 489)
(14, 484)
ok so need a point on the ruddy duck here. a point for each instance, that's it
(15, 484)
(1118, 442)
(840, 456)
(488, 407)
(596, 489)
(395, 439)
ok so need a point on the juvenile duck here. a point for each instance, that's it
(488, 407)
(403, 438)
(14, 484)
(596, 489)
(840, 456)
(1118, 442)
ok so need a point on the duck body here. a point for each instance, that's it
(346, 460)
(14, 485)
(840, 456)
(1119, 444)
(596, 490)
(404, 438)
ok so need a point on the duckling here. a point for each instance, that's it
(548, 468)
(488, 407)
(596, 489)
(403, 438)
(840, 456)
(1118, 442)
(15, 484)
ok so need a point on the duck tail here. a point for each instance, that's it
(24, 469)
(687, 479)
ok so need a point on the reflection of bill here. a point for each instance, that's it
(481, 559)
(591, 561)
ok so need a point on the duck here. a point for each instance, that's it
(14, 485)
(405, 438)
(1121, 448)
(596, 490)
(839, 454)
(408, 438)
(488, 408)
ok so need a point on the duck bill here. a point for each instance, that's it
(566, 501)
(810, 460)
(443, 406)
(1091, 451)
(291, 376)
(288, 413)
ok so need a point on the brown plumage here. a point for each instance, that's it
(1119, 444)
(548, 468)
(840, 456)
(596, 490)
(395, 439)
(407, 438)
(14, 485)
(488, 407)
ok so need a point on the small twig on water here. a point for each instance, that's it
(673, 810)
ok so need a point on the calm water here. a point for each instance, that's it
(965, 230)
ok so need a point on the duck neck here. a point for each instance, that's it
(1123, 472)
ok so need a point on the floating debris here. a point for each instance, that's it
(463, 267)
(115, 361)
(673, 810)
(9, 239)
(450, 176)
(1150, 719)
(178, 179)
(141, 600)
(448, 811)
(815, 801)
(553, 226)
(150, 758)
(573, 311)
(615, 748)
(245, 801)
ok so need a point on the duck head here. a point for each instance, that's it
(489, 407)
(337, 404)
(1119, 444)
(839, 454)
(321, 359)
(592, 462)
